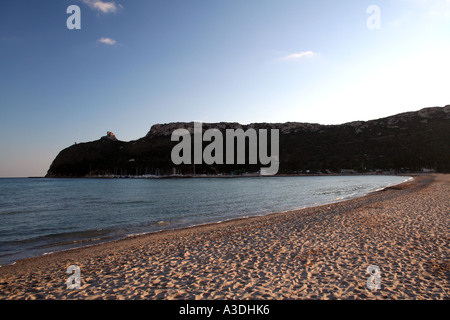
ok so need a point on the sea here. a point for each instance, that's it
(41, 216)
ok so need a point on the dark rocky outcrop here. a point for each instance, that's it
(408, 141)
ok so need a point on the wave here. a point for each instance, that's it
(7, 213)
(60, 238)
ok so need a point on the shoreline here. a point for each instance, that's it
(96, 242)
(228, 176)
(169, 251)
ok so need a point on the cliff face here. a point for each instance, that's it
(407, 141)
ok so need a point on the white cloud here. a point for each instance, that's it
(102, 6)
(107, 41)
(298, 55)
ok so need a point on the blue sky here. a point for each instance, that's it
(137, 63)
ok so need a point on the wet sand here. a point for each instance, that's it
(314, 253)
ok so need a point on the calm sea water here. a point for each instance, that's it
(39, 216)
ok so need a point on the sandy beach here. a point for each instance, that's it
(314, 253)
